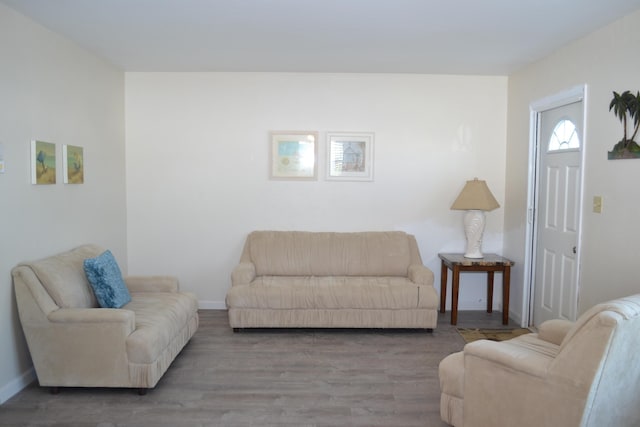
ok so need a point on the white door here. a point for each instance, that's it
(558, 213)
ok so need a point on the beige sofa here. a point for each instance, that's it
(74, 343)
(568, 374)
(334, 280)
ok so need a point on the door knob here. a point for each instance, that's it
(574, 249)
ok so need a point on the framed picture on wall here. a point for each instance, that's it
(350, 156)
(43, 162)
(293, 155)
(72, 164)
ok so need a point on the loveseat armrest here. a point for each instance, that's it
(243, 273)
(152, 283)
(83, 347)
(420, 274)
(555, 330)
(95, 315)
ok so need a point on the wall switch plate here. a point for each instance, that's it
(597, 204)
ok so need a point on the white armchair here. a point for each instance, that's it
(568, 374)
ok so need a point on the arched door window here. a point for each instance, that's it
(564, 136)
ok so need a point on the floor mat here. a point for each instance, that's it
(470, 334)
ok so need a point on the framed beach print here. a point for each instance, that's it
(43, 162)
(72, 164)
(293, 155)
(350, 156)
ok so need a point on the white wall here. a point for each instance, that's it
(606, 61)
(197, 165)
(53, 91)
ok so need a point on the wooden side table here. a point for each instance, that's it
(490, 264)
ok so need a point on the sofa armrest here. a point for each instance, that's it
(95, 315)
(420, 274)
(243, 274)
(518, 372)
(555, 330)
(510, 357)
(81, 346)
(152, 283)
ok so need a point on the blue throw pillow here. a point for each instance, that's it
(106, 280)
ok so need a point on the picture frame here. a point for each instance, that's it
(72, 164)
(43, 162)
(293, 155)
(350, 156)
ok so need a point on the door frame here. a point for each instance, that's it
(569, 96)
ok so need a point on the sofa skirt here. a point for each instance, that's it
(143, 375)
(328, 318)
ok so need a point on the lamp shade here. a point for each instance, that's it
(475, 196)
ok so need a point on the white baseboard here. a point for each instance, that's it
(212, 305)
(517, 318)
(15, 386)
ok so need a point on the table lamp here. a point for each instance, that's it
(475, 198)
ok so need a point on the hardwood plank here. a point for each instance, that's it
(287, 377)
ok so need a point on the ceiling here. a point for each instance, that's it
(488, 37)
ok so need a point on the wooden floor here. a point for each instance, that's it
(271, 378)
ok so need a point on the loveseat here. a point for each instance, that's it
(570, 374)
(289, 279)
(75, 343)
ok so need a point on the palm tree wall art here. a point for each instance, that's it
(626, 107)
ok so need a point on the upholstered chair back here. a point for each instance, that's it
(579, 374)
(64, 278)
(299, 253)
(600, 353)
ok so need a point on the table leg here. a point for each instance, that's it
(455, 283)
(443, 288)
(506, 279)
(489, 291)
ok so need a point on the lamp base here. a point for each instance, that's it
(476, 255)
(473, 229)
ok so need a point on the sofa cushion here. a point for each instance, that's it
(331, 292)
(159, 318)
(64, 279)
(106, 280)
(298, 253)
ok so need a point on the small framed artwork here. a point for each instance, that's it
(350, 156)
(294, 155)
(43, 162)
(72, 164)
